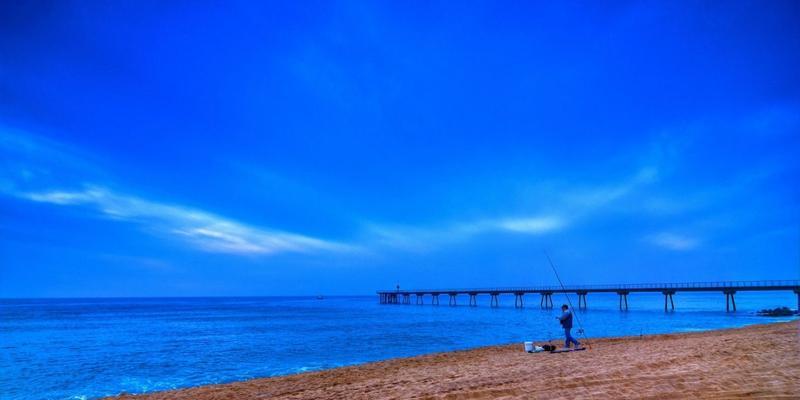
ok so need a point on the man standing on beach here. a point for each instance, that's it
(566, 323)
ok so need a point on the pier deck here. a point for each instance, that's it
(728, 288)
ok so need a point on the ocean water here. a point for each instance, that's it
(88, 348)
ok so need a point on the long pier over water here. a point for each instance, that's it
(728, 288)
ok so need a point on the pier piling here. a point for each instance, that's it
(668, 297)
(495, 301)
(582, 300)
(547, 300)
(797, 292)
(730, 300)
(623, 299)
(452, 301)
(518, 300)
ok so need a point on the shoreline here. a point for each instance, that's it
(761, 360)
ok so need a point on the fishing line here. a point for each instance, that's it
(574, 312)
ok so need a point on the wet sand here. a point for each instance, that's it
(761, 361)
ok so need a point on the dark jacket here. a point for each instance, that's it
(566, 319)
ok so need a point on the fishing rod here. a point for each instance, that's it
(564, 289)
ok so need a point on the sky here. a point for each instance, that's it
(297, 148)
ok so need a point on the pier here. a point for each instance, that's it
(728, 288)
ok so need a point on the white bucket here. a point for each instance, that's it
(529, 347)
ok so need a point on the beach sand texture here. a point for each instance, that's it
(760, 361)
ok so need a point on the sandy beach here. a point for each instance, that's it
(761, 361)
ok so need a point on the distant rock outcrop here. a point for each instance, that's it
(777, 312)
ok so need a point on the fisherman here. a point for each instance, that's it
(566, 323)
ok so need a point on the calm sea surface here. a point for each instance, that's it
(87, 348)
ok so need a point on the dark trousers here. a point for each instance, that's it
(570, 339)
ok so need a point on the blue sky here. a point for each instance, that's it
(259, 148)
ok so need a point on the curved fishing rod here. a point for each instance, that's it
(574, 312)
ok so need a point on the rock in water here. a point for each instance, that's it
(777, 312)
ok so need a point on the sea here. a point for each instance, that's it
(90, 348)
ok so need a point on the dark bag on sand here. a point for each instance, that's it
(549, 347)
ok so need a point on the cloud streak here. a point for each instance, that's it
(202, 230)
(564, 209)
(534, 225)
(425, 239)
(213, 233)
(551, 208)
(601, 196)
(671, 241)
(33, 166)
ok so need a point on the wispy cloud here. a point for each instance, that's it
(30, 160)
(429, 238)
(35, 165)
(600, 196)
(534, 225)
(213, 233)
(564, 209)
(203, 230)
(671, 241)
